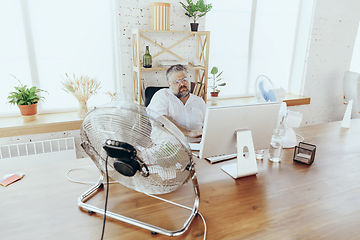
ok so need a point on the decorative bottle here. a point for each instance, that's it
(147, 59)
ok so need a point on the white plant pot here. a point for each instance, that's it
(214, 100)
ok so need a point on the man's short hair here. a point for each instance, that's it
(175, 68)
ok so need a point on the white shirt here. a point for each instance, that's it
(190, 115)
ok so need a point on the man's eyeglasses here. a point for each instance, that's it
(184, 80)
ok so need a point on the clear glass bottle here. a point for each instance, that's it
(276, 145)
(147, 59)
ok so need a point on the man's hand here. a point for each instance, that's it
(186, 131)
(194, 133)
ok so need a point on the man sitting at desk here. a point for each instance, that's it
(184, 109)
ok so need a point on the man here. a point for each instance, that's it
(176, 103)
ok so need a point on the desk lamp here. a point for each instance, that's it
(352, 97)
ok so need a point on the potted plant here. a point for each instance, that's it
(82, 88)
(196, 11)
(26, 98)
(215, 84)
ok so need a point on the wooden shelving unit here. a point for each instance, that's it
(202, 39)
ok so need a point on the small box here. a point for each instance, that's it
(304, 153)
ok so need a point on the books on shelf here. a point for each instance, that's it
(197, 88)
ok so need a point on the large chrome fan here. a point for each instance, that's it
(142, 153)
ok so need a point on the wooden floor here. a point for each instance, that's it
(289, 200)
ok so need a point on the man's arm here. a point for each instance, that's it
(186, 131)
(160, 104)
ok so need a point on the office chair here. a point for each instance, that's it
(149, 93)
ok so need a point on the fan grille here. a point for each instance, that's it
(165, 155)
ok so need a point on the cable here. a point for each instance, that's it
(195, 155)
(106, 197)
(300, 137)
(107, 192)
(83, 182)
(179, 205)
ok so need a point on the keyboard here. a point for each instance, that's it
(221, 158)
(195, 146)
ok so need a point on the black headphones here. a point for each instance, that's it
(126, 162)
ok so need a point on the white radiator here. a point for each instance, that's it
(43, 151)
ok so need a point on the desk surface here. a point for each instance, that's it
(289, 200)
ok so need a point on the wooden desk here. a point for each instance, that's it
(283, 201)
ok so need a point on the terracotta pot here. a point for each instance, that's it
(27, 110)
(214, 94)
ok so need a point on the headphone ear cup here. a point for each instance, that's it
(126, 168)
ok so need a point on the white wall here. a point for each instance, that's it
(136, 14)
(332, 42)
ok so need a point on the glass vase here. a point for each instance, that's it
(83, 109)
(276, 145)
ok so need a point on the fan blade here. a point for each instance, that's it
(272, 95)
(263, 92)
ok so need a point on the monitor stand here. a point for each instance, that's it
(246, 160)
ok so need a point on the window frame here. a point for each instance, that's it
(300, 50)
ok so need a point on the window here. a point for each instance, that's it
(259, 37)
(43, 40)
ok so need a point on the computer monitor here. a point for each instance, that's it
(236, 130)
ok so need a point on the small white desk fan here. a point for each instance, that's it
(288, 120)
(266, 91)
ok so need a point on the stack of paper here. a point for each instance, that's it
(11, 178)
(168, 63)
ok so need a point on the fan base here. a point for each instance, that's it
(154, 229)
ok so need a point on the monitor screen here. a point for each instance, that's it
(221, 123)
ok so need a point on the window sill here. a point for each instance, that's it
(45, 123)
(57, 122)
(290, 99)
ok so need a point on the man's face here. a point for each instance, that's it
(179, 84)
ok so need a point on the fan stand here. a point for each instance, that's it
(246, 160)
(154, 229)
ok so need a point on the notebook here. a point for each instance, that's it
(7, 180)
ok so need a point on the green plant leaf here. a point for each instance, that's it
(197, 10)
(214, 70)
(24, 95)
(215, 79)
